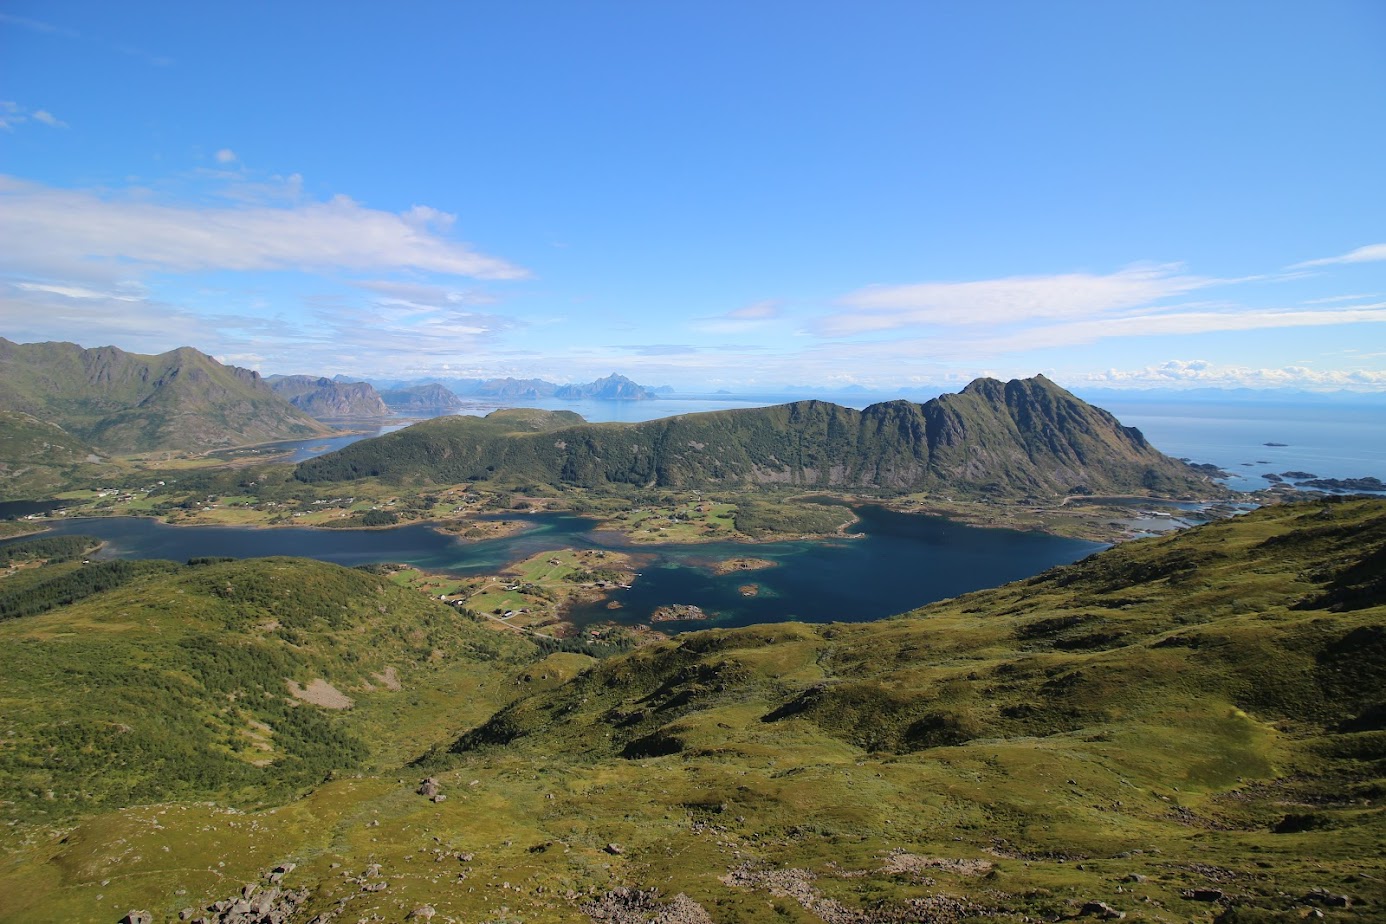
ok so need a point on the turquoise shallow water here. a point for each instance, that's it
(901, 561)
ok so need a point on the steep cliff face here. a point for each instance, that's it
(326, 399)
(1022, 438)
(124, 402)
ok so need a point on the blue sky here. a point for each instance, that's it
(709, 195)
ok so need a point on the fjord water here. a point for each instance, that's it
(901, 561)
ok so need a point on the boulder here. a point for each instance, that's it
(1102, 910)
(1204, 895)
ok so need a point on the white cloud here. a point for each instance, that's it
(1205, 374)
(226, 156)
(1181, 322)
(1014, 299)
(120, 316)
(59, 232)
(47, 118)
(1371, 253)
(423, 295)
(12, 114)
(78, 292)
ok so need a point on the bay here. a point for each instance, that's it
(901, 561)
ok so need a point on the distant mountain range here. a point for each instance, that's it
(430, 397)
(127, 402)
(327, 399)
(1020, 438)
(614, 387)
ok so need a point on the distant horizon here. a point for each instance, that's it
(787, 389)
(887, 195)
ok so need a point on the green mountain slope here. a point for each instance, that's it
(1025, 437)
(1278, 614)
(37, 457)
(118, 401)
(167, 681)
(1188, 728)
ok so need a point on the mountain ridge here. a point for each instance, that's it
(1018, 438)
(119, 401)
(327, 399)
(429, 396)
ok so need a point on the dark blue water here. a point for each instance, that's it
(903, 561)
(12, 510)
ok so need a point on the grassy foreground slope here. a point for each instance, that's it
(240, 681)
(1184, 728)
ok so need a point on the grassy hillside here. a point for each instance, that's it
(1022, 438)
(126, 402)
(166, 681)
(37, 457)
(1190, 728)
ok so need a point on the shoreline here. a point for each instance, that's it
(1066, 517)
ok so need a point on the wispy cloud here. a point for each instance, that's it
(424, 295)
(1009, 300)
(47, 28)
(1371, 253)
(47, 118)
(36, 25)
(123, 316)
(657, 349)
(226, 156)
(1191, 373)
(60, 231)
(13, 114)
(738, 320)
(1178, 322)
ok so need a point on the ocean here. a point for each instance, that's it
(1252, 439)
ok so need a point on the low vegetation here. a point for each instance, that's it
(1183, 728)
